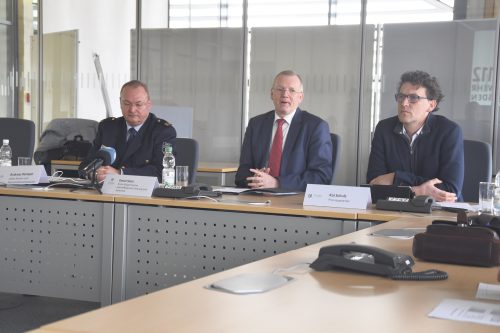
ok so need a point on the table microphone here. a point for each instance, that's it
(105, 156)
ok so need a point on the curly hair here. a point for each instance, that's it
(423, 79)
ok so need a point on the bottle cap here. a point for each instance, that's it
(167, 147)
(5, 141)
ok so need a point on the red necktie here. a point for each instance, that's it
(276, 150)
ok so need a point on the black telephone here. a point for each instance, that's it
(419, 204)
(371, 260)
(194, 191)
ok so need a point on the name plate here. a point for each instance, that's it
(23, 175)
(139, 186)
(337, 196)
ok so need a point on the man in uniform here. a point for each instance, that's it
(138, 136)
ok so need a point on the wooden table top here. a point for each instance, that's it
(312, 302)
(280, 205)
(56, 193)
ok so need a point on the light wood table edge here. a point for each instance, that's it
(243, 206)
(170, 303)
(56, 193)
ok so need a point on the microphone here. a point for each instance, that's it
(105, 156)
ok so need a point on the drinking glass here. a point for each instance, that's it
(181, 175)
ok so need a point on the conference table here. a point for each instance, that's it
(88, 246)
(331, 301)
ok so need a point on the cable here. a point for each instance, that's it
(201, 197)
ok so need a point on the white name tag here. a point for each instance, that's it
(139, 186)
(337, 196)
(23, 175)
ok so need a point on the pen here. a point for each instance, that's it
(265, 203)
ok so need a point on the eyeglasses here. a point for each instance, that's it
(412, 98)
(282, 91)
(138, 105)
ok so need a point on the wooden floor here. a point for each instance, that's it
(19, 313)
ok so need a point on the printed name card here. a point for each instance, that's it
(139, 186)
(337, 196)
(23, 175)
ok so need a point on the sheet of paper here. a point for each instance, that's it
(461, 205)
(404, 233)
(227, 189)
(468, 311)
(488, 291)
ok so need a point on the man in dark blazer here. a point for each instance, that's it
(417, 147)
(306, 146)
(138, 136)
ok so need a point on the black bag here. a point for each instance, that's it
(471, 241)
(76, 150)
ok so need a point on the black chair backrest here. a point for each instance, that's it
(21, 134)
(335, 153)
(186, 153)
(478, 168)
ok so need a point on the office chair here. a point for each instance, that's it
(56, 134)
(478, 168)
(21, 134)
(335, 153)
(186, 153)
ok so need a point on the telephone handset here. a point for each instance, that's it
(419, 204)
(371, 260)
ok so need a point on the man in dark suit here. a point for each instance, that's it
(287, 147)
(137, 136)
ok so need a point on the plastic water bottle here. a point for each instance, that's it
(496, 197)
(168, 172)
(5, 154)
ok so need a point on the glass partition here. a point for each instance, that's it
(192, 59)
(217, 59)
(324, 59)
(456, 41)
(197, 72)
(85, 43)
(7, 59)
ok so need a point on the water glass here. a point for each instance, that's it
(486, 193)
(24, 161)
(181, 175)
(496, 200)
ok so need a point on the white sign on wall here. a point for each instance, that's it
(481, 88)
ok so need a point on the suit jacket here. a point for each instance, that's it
(307, 153)
(144, 157)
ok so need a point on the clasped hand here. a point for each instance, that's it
(101, 172)
(262, 179)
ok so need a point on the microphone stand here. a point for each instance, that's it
(94, 184)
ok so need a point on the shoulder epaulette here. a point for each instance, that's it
(163, 122)
(110, 119)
